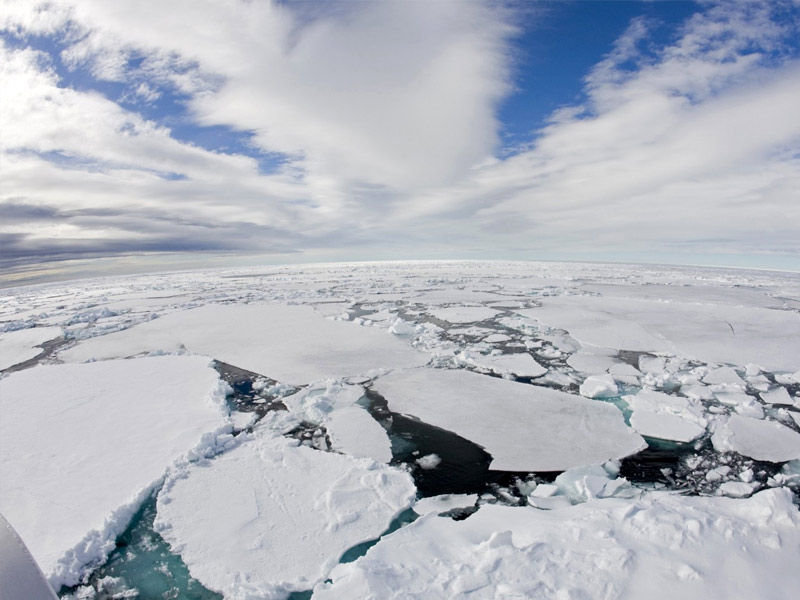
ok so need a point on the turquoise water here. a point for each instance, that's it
(144, 562)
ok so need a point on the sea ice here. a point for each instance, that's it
(708, 331)
(83, 445)
(523, 427)
(723, 376)
(291, 344)
(777, 396)
(353, 431)
(270, 517)
(21, 345)
(666, 417)
(660, 546)
(520, 364)
(444, 503)
(756, 438)
(462, 314)
(599, 386)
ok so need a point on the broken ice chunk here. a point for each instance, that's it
(735, 489)
(599, 386)
(742, 403)
(723, 375)
(584, 483)
(777, 396)
(429, 461)
(666, 417)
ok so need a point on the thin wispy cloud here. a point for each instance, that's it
(372, 129)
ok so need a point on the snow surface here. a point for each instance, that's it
(84, 444)
(659, 547)
(21, 345)
(523, 427)
(269, 516)
(755, 438)
(291, 344)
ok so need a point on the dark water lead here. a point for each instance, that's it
(142, 566)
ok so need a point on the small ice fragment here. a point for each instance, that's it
(735, 489)
(429, 461)
(544, 490)
(723, 375)
(401, 328)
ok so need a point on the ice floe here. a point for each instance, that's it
(444, 503)
(666, 417)
(659, 546)
(523, 427)
(270, 517)
(756, 438)
(83, 445)
(23, 344)
(463, 314)
(519, 364)
(291, 344)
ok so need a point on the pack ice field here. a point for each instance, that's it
(406, 430)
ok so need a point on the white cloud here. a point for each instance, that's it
(387, 111)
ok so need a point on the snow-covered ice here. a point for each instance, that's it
(22, 344)
(666, 417)
(269, 516)
(756, 438)
(291, 344)
(353, 431)
(777, 396)
(463, 314)
(599, 386)
(660, 546)
(519, 364)
(523, 427)
(83, 444)
(709, 331)
(444, 503)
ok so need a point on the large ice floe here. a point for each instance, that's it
(292, 344)
(660, 546)
(270, 516)
(524, 428)
(559, 431)
(82, 445)
(23, 344)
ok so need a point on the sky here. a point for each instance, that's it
(191, 132)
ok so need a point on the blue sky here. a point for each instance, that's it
(623, 131)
